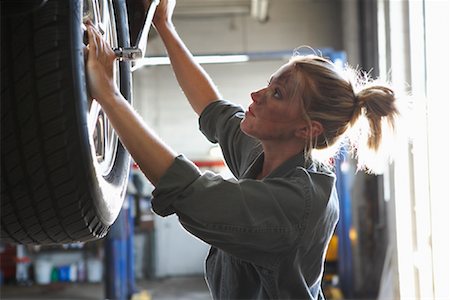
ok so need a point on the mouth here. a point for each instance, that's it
(250, 111)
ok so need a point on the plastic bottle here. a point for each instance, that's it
(81, 271)
(73, 273)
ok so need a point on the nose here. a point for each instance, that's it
(256, 96)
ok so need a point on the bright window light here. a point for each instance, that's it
(414, 47)
(437, 92)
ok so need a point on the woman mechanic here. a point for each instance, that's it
(268, 229)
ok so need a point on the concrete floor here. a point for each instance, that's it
(179, 288)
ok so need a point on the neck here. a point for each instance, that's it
(276, 154)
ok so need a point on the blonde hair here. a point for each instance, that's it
(351, 108)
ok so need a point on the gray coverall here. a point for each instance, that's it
(268, 237)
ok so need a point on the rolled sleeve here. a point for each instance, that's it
(180, 175)
(220, 123)
(217, 116)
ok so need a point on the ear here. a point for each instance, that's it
(311, 130)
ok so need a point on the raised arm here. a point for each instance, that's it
(149, 152)
(192, 78)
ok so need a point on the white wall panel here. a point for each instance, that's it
(163, 106)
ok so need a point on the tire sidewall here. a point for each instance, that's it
(106, 192)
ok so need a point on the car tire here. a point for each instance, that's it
(56, 187)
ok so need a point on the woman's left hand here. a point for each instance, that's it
(100, 67)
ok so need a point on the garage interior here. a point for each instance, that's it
(392, 239)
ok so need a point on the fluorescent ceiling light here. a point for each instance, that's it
(202, 59)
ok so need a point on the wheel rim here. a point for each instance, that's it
(104, 141)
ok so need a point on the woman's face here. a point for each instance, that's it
(275, 112)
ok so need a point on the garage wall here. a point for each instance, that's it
(291, 23)
(157, 97)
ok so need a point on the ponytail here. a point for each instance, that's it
(374, 122)
(377, 103)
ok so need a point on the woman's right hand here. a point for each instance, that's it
(100, 67)
(163, 13)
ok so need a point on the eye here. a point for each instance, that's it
(277, 93)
